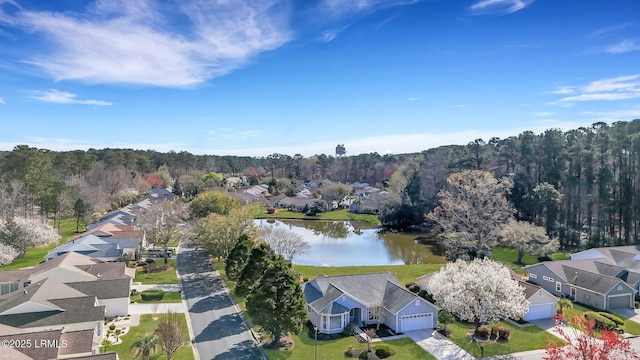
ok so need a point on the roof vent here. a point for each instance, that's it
(99, 275)
(26, 292)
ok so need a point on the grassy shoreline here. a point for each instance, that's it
(341, 215)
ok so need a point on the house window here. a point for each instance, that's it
(8, 288)
(533, 276)
(558, 286)
(324, 322)
(545, 278)
(551, 279)
(336, 322)
(417, 302)
(372, 314)
(619, 287)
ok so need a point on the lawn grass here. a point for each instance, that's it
(148, 325)
(404, 273)
(68, 229)
(169, 297)
(629, 326)
(260, 213)
(303, 349)
(509, 256)
(522, 339)
(164, 277)
(560, 255)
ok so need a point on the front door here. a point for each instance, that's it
(573, 293)
(354, 315)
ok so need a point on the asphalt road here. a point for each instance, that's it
(219, 330)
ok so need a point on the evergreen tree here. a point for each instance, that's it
(238, 257)
(259, 259)
(276, 303)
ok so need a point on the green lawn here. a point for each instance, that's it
(169, 297)
(303, 349)
(509, 256)
(404, 273)
(148, 325)
(522, 339)
(260, 213)
(165, 277)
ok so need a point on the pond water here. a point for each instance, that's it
(344, 243)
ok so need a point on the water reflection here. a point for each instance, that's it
(343, 243)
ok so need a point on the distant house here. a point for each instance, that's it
(298, 204)
(104, 245)
(335, 301)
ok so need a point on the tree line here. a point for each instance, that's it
(580, 185)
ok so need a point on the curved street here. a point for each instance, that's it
(219, 329)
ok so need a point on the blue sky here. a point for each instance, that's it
(259, 77)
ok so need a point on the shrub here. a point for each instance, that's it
(410, 284)
(504, 333)
(612, 317)
(483, 331)
(152, 295)
(150, 261)
(134, 292)
(112, 327)
(364, 355)
(414, 289)
(348, 330)
(153, 267)
(383, 352)
(600, 322)
(494, 332)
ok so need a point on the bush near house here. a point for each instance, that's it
(612, 317)
(601, 322)
(152, 295)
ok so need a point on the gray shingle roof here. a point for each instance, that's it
(108, 270)
(367, 288)
(76, 310)
(77, 342)
(597, 282)
(41, 292)
(34, 351)
(104, 289)
(397, 297)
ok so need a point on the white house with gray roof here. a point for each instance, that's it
(335, 301)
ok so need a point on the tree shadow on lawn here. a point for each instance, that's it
(226, 325)
(215, 302)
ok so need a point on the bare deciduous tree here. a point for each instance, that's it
(472, 211)
(161, 223)
(169, 333)
(284, 242)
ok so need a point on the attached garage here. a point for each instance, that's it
(416, 322)
(619, 301)
(541, 311)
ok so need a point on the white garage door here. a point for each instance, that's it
(416, 322)
(541, 311)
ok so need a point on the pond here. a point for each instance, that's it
(344, 243)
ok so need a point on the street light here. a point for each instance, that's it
(315, 343)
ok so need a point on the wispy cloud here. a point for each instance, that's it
(617, 88)
(544, 113)
(459, 106)
(138, 42)
(63, 97)
(2, 101)
(413, 99)
(604, 31)
(230, 134)
(623, 47)
(330, 34)
(500, 7)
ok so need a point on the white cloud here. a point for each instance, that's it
(623, 47)
(413, 99)
(63, 97)
(498, 6)
(610, 89)
(138, 42)
(544, 113)
(344, 8)
(459, 106)
(603, 31)
(2, 101)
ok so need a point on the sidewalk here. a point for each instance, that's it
(438, 345)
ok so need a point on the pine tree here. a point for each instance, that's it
(259, 259)
(238, 257)
(276, 303)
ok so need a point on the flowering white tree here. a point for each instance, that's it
(37, 230)
(527, 238)
(284, 242)
(7, 254)
(479, 291)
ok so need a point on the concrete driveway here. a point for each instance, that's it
(439, 346)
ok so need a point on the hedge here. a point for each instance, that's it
(600, 322)
(152, 295)
(612, 317)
